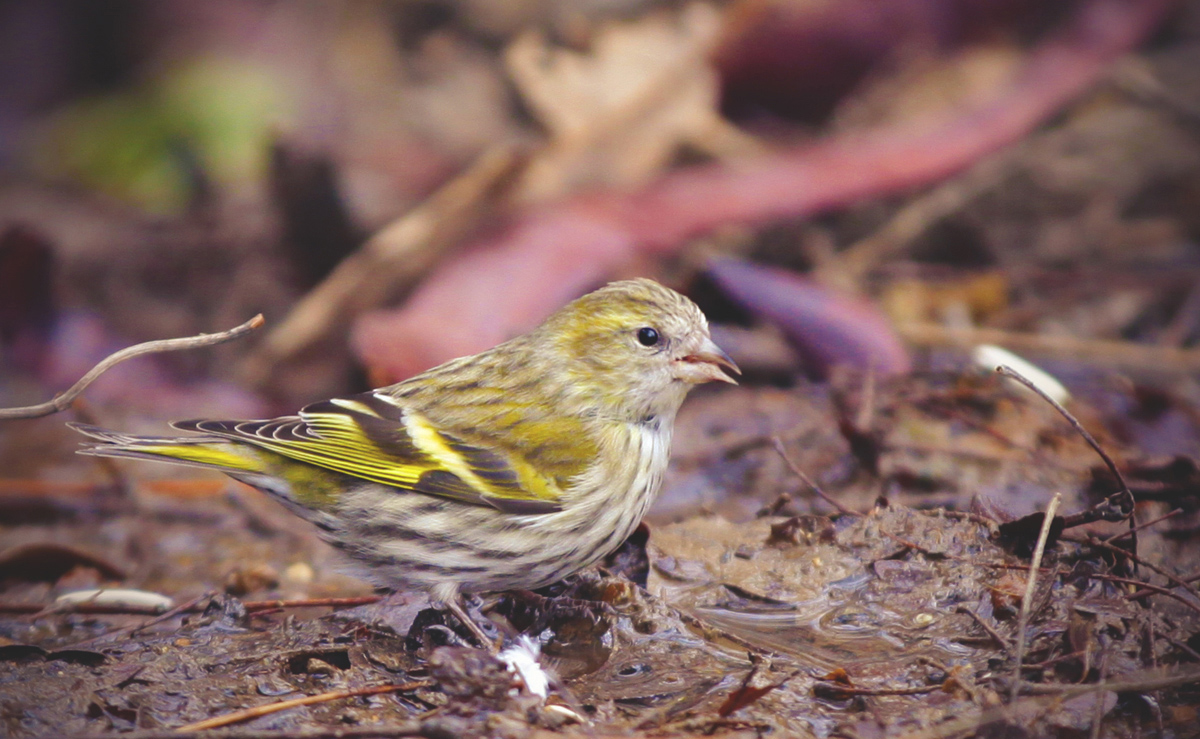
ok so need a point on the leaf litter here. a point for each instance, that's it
(909, 612)
(748, 604)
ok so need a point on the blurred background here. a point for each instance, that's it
(925, 165)
(872, 186)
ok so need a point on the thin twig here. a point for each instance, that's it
(778, 444)
(1112, 466)
(1041, 457)
(390, 260)
(252, 606)
(1195, 577)
(845, 690)
(1030, 585)
(1006, 566)
(262, 605)
(1079, 655)
(1147, 589)
(1142, 526)
(866, 406)
(996, 635)
(62, 401)
(249, 713)
(1155, 697)
(920, 214)
(711, 633)
(1098, 706)
(1125, 493)
(1131, 685)
(1136, 76)
(1176, 581)
(177, 610)
(1181, 646)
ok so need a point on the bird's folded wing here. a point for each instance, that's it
(375, 439)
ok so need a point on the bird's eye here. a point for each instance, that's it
(647, 336)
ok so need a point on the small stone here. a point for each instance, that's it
(299, 573)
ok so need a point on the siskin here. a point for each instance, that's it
(512, 468)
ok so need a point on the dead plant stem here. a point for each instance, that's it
(1030, 585)
(249, 713)
(62, 401)
(778, 444)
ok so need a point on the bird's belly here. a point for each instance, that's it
(597, 522)
(413, 541)
(581, 544)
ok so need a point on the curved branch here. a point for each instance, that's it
(63, 400)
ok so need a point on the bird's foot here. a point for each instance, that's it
(489, 643)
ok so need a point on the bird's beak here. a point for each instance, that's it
(706, 364)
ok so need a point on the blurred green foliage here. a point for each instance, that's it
(207, 121)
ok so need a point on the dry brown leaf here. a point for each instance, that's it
(617, 114)
(923, 90)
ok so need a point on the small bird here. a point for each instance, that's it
(509, 469)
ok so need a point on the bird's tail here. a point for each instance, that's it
(242, 462)
(211, 452)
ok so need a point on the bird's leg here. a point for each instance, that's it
(460, 613)
(446, 595)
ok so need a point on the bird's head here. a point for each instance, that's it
(636, 347)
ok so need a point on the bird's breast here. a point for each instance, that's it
(606, 504)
